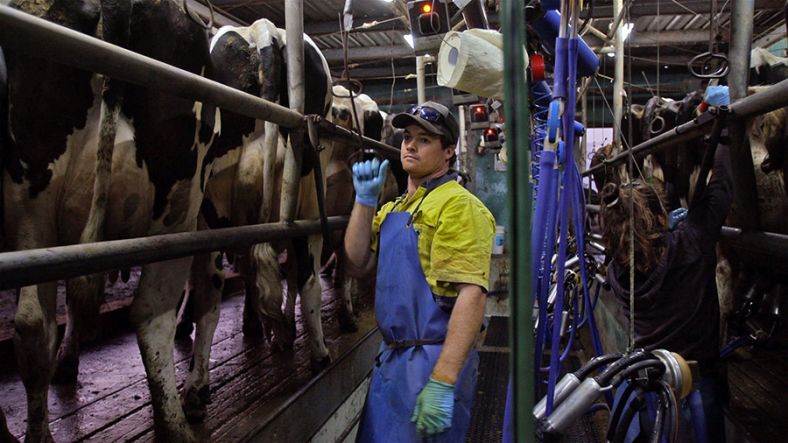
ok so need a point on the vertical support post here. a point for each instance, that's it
(618, 78)
(294, 24)
(581, 155)
(519, 197)
(474, 15)
(421, 92)
(745, 196)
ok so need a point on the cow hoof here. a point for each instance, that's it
(347, 322)
(319, 365)
(66, 371)
(195, 404)
(280, 345)
(184, 330)
(253, 329)
(181, 435)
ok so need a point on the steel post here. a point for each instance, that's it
(519, 201)
(291, 177)
(618, 82)
(745, 196)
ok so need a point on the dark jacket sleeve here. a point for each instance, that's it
(707, 213)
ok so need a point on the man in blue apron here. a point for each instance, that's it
(433, 246)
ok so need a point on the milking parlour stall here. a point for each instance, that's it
(393, 220)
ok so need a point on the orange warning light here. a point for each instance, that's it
(426, 7)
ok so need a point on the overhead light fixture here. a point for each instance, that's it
(387, 1)
(611, 54)
(628, 27)
(408, 39)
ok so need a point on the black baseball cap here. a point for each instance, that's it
(432, 116)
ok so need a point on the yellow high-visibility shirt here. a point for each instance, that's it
(455, 233)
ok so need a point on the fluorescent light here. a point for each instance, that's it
(628, 27)
(408, 38)
(611, 54)
(387, 1)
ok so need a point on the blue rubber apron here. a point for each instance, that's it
(413, 329)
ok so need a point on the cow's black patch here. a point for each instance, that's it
(212, 218)
(316, 84)
(373, 125)
(304, 260)
(216, 281)
(49, 101)
(165, 125)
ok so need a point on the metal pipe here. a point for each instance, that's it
(618, 82)
(745, 195)
(770, 99)
(385, 150)
(291, 177)
(420, 90)
(474, 15)
(22, 268)
(771, 243)
(40, 38)
(519, 203)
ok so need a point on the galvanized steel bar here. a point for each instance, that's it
(745, 193)
(768, 243)
(22, 268)
(618, 77)
(385, 150)
(519, 202)
(291, 177)
(770, 99)
(40, 38)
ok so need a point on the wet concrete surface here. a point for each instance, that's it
(111, 402)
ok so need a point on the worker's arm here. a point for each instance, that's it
(464, 324)
(357, 241)
(435, 404)
(368, 178)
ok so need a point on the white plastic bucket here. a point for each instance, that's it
(500, 233)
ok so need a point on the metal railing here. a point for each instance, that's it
(35, 36)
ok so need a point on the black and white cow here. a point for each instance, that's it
(340, 192)
(160, 160)
(244, 188)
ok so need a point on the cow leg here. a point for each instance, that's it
(268, 284)
(208, 280)
(725, 291)
(347, 318)
(186, 318)
(308, 259)
(5, 435)
(35, 342)
(252, 325)
(84, 297)
(153, 315)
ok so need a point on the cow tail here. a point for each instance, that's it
(85, 293)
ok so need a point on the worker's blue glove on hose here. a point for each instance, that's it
(368, 178)
(676, 216)
(717, 96)
(434, 408)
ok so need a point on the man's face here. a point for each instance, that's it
(422, 153)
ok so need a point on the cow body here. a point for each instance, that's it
(160, 158)
(244, 188)
(340, 191)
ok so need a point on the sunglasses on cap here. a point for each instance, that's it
(427, 113)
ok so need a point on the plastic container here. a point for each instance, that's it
(500, 234)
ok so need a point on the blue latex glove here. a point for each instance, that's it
(368, 178)
(434, 408)
(676, 216)
(717, 96)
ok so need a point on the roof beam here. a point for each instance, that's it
(368, 53)
(641, 8)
